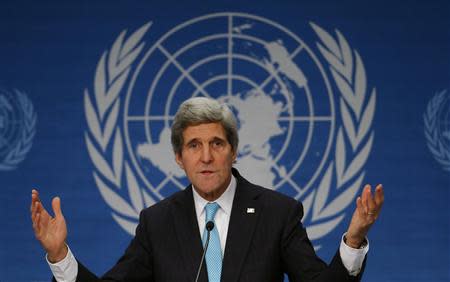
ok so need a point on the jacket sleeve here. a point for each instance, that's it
(299, 257)
(135, 265)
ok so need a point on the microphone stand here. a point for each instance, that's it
(209, 227)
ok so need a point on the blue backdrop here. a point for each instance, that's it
(352, 92)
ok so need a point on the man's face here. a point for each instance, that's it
(207, 157)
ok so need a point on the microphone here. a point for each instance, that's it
(209, 227)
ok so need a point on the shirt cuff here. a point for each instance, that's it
(65, 270)
(353, 258)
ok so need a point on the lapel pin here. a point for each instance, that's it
(250, 210)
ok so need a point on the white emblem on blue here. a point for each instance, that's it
(437, 128)
(305, 112)
(17, 128)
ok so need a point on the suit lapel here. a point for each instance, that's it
(240, 229)
(186, 227)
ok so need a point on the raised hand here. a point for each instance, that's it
(50, 231)
(367, 210)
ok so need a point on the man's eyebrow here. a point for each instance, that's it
(191, 141)
(216, 138)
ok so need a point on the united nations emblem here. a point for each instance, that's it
(17, 128)
(305, 114)
(437, 128)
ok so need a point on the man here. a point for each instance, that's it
(256, 236)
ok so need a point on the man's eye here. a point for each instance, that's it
(192, 145)
(218, 143)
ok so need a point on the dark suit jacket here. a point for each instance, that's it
(260, 246)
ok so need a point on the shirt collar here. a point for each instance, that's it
(225, 200)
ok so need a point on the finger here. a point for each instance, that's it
(37, 212)
(365, 193)
(32, 204)
(359, 206)
(34, 192)
(33, 221)
(44, 220)
(39, 226)
(44, 217)
(371, 205)
(36, 225)
(379, 195)
(56, 205)
(40, 209)
(34, 198)
(34, 210)
(38, 206)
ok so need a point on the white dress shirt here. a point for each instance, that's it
(66, 270)
(222, 217)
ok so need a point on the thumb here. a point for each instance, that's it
(56, 205)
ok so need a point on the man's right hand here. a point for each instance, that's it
(50, 231)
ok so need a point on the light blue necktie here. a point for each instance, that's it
(214, 253)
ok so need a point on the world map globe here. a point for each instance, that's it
(274, 84)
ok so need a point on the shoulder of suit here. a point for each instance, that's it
(163, 206)
(266, 194)
(276, 196)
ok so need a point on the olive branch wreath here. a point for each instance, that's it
(357, 111)
(112, 71)
(434, 141)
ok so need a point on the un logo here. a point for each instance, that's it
(305, 113)
(437, 128)
(17, 128)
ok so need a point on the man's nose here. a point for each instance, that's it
(206, 156)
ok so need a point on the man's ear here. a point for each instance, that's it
(234, 155)
(179, 160)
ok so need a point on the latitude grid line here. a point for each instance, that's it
(162, 183)
(291, 56)
(229, 54)
(288, 179)
(183, 70)
(229, 86)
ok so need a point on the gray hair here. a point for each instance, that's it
(200, 110)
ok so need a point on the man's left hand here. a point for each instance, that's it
(368, 209)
